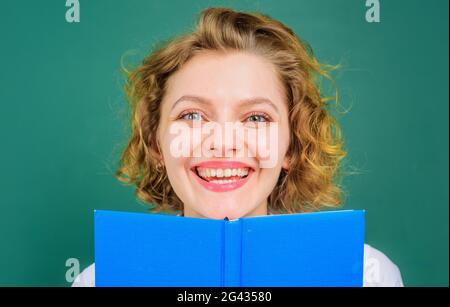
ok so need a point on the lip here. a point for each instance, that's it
(215, 187)
(222, 164)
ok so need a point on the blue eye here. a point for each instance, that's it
(257, 118)
(191, 116)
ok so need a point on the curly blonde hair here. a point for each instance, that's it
(316, 147)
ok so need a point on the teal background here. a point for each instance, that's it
(63, 122)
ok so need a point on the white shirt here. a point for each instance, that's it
(379, 271)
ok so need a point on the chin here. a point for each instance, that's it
(225, 212)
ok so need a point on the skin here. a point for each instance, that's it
(226, 81)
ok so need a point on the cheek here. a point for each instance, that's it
(175, 163)
(179, 141)
(175, 150)
(284, 135)
(267, 144)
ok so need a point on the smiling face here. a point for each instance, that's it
(228, 178)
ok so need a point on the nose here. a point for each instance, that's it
(223, 141)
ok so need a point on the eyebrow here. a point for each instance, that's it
(249, 101)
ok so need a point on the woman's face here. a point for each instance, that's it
(224, 134)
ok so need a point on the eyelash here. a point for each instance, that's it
(187, 112)
(263, 115)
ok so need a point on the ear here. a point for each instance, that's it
(286, 162)
(160, 155)
(155, 151)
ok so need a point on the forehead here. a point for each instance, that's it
(226, 78)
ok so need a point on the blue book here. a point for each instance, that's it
(305, 249)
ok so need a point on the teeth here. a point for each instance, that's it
(223, 181)
(219, 172)
(242, 172)
(222, 173)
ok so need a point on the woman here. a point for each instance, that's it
(253, 71)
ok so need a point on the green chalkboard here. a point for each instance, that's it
(63, 121)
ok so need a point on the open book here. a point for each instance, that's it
(305, 249)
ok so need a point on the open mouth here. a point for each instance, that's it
(222, 179)
(221, 176)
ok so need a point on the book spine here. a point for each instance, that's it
(232, 253)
